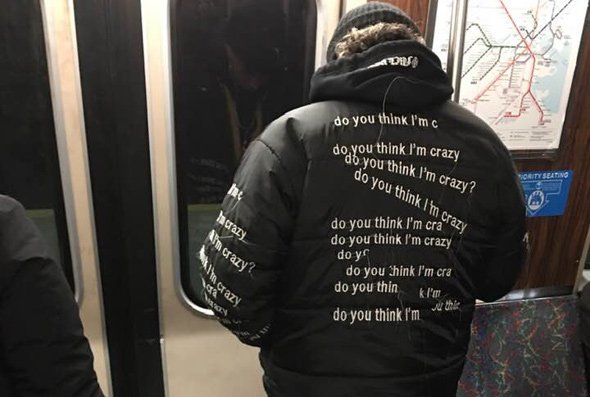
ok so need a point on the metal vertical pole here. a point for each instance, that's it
(431, 22)
(456, 45)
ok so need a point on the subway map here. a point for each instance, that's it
(518, 65)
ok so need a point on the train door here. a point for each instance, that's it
(42, 155)
(216, 73)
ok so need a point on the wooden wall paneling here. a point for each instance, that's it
(556, 242)
(416, 9)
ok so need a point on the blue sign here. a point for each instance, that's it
(546, 192)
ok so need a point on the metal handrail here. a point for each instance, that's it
(456, 45)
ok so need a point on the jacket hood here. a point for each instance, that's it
(403, 73)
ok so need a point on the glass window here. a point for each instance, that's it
(237, 65)
(29, 165)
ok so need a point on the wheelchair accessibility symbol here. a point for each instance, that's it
(536, 200)
(546, 193)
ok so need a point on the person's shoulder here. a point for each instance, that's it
(19, 237)
(300, 130)
(465, 117)
(322, 109)
(313, 113)
(8, 204)
(9, 208)
(476, 129)
(308, 118)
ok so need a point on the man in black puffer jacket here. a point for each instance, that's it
(361, 228)
(43, 351)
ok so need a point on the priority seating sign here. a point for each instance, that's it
(546, 192)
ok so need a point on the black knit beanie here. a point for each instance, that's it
(366, 15)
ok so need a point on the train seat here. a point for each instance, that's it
(524, 348)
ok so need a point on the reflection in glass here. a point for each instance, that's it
(238, 65)
(46, 222)
(29, 165)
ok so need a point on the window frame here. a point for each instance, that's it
(327, 16)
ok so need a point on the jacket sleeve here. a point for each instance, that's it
(508, 253)
(43, 351)
(242, 257)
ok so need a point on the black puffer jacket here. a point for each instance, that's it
(360, 230)
(43, 351)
